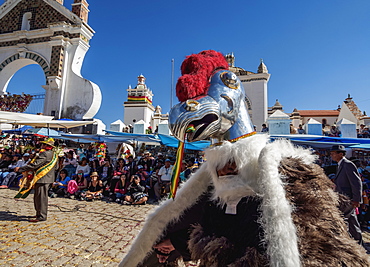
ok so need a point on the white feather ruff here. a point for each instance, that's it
(280, 232)
(257, 163)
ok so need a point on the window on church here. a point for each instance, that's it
(26, 21)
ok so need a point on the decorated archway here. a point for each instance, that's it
(56, 39)
(16, 62)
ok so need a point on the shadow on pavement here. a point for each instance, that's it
(11, 216)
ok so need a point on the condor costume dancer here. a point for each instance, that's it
(253, 203)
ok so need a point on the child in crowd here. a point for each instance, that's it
(59, 187)
(78, 186)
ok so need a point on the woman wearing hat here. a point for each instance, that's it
(95, 188)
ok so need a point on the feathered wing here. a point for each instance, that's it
(169, 211)
(280, 235)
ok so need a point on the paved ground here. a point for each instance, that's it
(76, 233)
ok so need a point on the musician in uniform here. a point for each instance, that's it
(45, 165)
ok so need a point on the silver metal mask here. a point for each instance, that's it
(222, 114)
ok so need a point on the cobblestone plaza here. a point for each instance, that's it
(77, 233)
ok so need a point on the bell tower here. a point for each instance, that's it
(139, 103)
(80, 8)
(255, 87)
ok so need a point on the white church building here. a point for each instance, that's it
(140, 116)
(256, 90)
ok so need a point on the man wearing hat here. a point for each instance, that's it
(46, 162)
(348, 183)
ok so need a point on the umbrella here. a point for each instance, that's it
(44, 132)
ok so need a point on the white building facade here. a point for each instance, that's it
(256, 90)
(57, 40)
(139, 107)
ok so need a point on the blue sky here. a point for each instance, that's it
(316, 51)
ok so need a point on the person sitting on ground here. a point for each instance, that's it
(11, 167)
(366, 133)
(120, 189)
(8, 180)
(143, 175)
(59, 187)
(164, 180)
(70, 163)
(77, 186)
(292, 129)
(154, 177)
(136, 193)
(95, 188)
(265, 129)
(131, 166)
(360, 131)
(4, 166)
(301, 130)
(81, 152)
(120, 168)
(334, 132)
(118, 171)
(159, 158)
(146, 162)
(84, 166)
(184, 171)
(106, 171)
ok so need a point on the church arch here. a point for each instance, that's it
(248, 103)
(17, 61)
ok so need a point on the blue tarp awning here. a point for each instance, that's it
(18, 130)
(86, 138)
(325, 141)
(361, 146)
(133, 137)
(44, 131)
(173, 142)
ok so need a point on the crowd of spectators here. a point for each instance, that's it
(15, 103)
(83, 175)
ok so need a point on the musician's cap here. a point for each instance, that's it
(49, 142)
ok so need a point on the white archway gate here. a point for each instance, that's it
(48, 34)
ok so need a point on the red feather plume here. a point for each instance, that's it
(196, 71)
